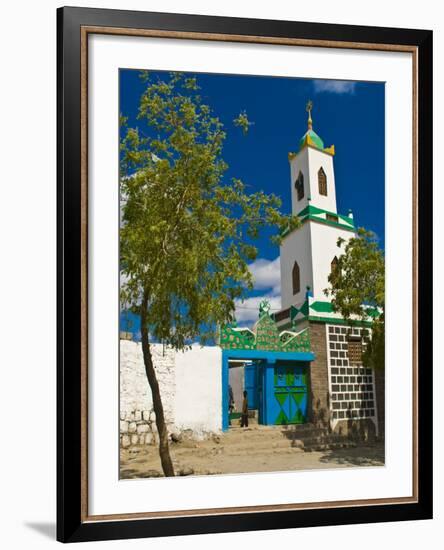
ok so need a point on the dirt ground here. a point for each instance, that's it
(256, 449)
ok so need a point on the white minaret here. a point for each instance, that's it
(307, 253)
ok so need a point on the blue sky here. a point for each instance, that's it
(349, 115)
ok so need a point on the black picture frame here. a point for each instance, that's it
(72, 525)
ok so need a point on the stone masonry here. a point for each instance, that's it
(137, 418)
(319, 406)
(190, 383)
(380, 399)
(320, 398)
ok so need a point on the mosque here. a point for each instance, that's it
(300, 365)
(331, 386)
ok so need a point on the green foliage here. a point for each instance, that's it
(358, 289)
(242, 121)
(374, 354)
(187, 235)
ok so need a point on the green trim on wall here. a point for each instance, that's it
(328, 222)
(310, 210)
(310, 213)
(336, 321)
(326, 321)
(322, 307)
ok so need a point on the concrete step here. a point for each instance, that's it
(305, 426)
(282, 439)
(332, 446)
(305, 435)
(251, 434)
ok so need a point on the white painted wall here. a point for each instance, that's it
(296, 247)
(198, 399)
(309, 161)
(135, 393)
(190, 385)
(313, 246)
(323, 242)
(299, 164)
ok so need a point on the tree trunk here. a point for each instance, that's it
(164, 451)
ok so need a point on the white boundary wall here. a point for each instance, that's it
(190, 385)
(198, 397)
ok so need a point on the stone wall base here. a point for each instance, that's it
(139, 428)
(362, 429)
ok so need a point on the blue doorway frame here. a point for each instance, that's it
(252, 383)
(268, 361)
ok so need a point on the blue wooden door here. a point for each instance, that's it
(251, 385)
(289, 402)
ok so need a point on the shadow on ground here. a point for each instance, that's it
(359, 456)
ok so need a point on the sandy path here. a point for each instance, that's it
(241, 451)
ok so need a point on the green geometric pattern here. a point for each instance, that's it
(291, 405)
(290, 395)
(266, 337)
(237, 339)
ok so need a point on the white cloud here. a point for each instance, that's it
(334, 86)
(247, 312)
(266, 274)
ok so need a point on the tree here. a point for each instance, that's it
(187, 234)
(358, 290)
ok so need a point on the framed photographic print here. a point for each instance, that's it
(245, 268)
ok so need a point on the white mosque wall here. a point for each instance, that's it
(296, 247)
(299, 164)
(323, 242)
(318, 160)
(190, 386)
(313, 246)
(309, 161)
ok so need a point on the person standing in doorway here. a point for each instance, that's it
(244, 417)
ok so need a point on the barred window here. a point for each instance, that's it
(355, 351)
(322, 182)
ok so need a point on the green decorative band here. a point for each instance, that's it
(337, 321)
(325, 320)
(313, 212)
(329, 222)
(266, 338)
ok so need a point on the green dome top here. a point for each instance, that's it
(311, 138)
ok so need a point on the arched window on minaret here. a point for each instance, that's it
(322, 182)
(334, 265)
(299, 185)
(296, 278)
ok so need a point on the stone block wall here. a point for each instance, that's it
(137, 418)
(380, 399)
(319, 406)
(137, 428)
(190, 385)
